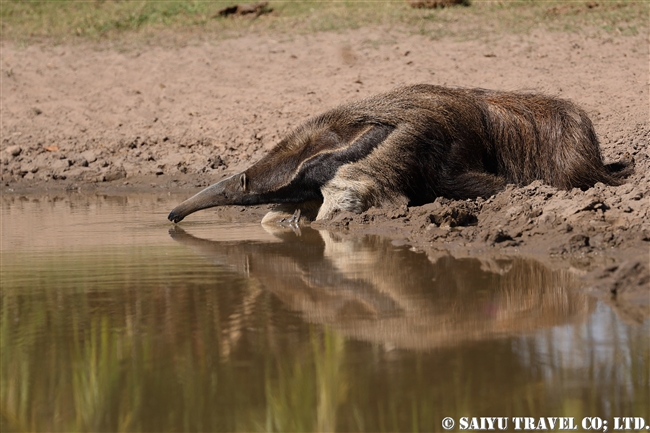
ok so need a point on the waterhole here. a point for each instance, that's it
(112, 319)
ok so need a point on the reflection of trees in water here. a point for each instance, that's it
(162, 340)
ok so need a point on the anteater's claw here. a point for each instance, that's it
(295, 218)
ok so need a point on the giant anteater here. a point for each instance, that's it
(417, 143)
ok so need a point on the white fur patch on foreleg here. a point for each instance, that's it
(341, 194)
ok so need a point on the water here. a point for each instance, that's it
(110, 321)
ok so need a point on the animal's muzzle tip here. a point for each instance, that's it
(174, 217)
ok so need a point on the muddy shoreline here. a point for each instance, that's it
(95, 119)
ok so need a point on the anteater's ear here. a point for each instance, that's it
(243, 181)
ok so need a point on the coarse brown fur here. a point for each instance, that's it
(417, 143)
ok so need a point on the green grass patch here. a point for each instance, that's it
(30, 20)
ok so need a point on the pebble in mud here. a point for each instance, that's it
(578, 241)
(60, 165)
(112, 173)
(499, 237)
(13, 150)
(89, 156)
(603, 240)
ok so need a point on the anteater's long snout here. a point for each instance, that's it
(209, 197)
(177, 215)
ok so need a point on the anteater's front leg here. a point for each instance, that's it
(283, 213)
(345, 194)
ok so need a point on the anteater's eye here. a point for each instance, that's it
(243, 181)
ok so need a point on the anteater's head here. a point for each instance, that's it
(231, 191)
(295, 170)
(282, 176)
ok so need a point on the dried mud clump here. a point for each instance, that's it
(445, 213)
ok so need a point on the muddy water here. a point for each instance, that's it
(112, 321)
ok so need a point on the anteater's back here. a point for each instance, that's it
(520, 137)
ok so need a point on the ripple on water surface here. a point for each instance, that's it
(112, 319)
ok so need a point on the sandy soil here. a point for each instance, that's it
(182, 115)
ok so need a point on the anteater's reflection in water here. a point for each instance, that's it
(369, 289)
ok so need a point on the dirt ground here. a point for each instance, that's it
(182, 114)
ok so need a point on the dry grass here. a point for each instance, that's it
(65, 20)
